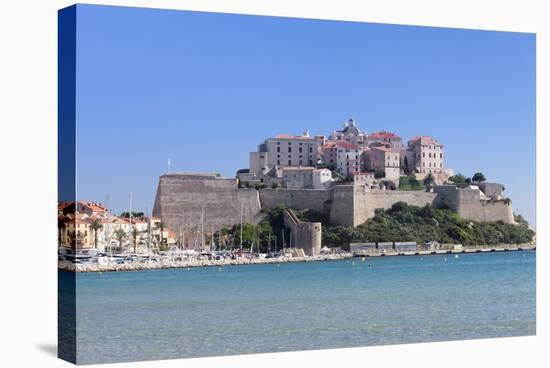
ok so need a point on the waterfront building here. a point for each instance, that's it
(75, 231)
(88, 208)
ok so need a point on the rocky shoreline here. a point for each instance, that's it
(166, 263)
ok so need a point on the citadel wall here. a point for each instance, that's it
(181, 198)
(468, 204)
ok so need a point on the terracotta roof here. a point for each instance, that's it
(96, 207)
(345, 144)
(424, 139)
(383, 135)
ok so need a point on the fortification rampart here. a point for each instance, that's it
(181, 199)
(468, 204)
(305, 235)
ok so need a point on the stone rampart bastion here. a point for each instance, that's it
(182, 198)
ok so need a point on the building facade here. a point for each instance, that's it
(386, 160)
(286, 150)
(427, 155)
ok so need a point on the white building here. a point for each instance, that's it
(349, 158)
(286, 150)
(306, 178)
(322, 179)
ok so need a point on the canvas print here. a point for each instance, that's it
(235, 184)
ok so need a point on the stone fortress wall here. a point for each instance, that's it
(305, 235)
(181, 199)
(468, 204)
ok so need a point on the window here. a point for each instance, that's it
(300, 149)
(300, 162)
(278, 149)
(440, 155)
(278, 162)
(289, 163)
(310, 149)
(289, 149)
(423, 154)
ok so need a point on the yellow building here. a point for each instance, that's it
(76, 232)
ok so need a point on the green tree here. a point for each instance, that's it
(429, 180)
(134, 237)
(339, 178)
(95, 226)
(478, 177)
(134, 214)
(458, 179)
(407, 168)
(120, 235)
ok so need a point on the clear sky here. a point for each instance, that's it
(204, 89)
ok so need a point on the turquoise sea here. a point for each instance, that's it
(179, 313)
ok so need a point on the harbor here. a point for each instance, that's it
(189, 259)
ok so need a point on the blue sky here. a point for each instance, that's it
(204, 89)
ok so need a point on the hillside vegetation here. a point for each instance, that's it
(403, 222)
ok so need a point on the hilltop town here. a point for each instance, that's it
(343, 179)
(306, 161)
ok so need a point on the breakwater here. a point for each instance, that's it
(168, 263)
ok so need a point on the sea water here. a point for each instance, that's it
(196, 312)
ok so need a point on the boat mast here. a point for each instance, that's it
(130, 217)
(148, 232)
(202, 230)
(241, 245)
(108, 227)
